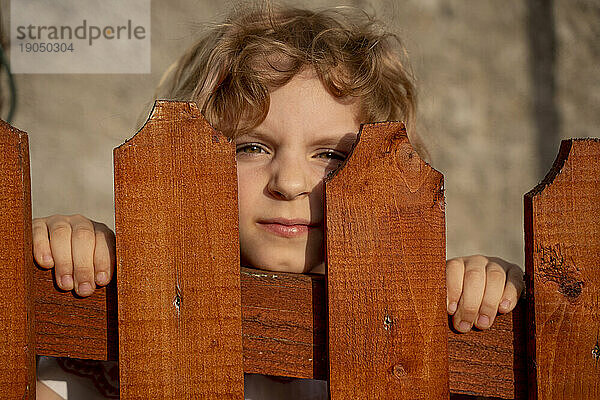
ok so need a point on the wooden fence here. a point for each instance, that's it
(189, 324)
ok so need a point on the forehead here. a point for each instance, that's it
(303, 107)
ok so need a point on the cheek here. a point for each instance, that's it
(316, 198)
(248, 190)
(251, 204)
(243, 199)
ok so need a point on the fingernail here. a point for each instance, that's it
(102, 278)
(67, 282)
(483, 321)
(47, 258)
(464, 326)
(85, 289)
(505, 305)
(452, 307)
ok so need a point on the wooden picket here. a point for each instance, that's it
(562, 246)
(386, 247)
(178, 260)
(375, 326)
(17, 369)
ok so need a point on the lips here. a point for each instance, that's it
(288, 222)
(287, 228)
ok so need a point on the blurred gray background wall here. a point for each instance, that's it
(500, 83)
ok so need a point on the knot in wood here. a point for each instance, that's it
(177, 299)
(557, 267)
(398, 371)
(393, 141)
(387, 322)
(596, 352)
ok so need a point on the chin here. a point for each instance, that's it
(277, 264)
(294, 268)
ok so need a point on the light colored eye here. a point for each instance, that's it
(331, 155)
(249, 149)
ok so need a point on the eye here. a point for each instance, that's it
(331, 155)
(250, 148)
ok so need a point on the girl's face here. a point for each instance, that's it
(281, 165)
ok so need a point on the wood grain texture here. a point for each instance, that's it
(178, 260)
(562, 259)
(491, 363)
(284, 334)
(281, 337)
(17, 345)
(67, 325)
(284, 324)
(386, 272)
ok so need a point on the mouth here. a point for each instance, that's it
(288, 228)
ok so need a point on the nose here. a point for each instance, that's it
(290, 177)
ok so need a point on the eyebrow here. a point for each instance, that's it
(346, 141)
(255, 135)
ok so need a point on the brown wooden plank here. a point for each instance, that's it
(17, 340)
(178, 260)
(491, 363)
(70, 326)
(283, 324)
(482, 363)
(283, 329)
(386, 272)
(562, 258)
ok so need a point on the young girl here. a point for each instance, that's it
(291, 87)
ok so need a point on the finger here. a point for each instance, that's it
(59, 230)
(473, 288)
(495, 278)
(104, 254)
(455, 271)
(512, 290)
(83, 242)
(41, 243)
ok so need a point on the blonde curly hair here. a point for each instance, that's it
(231, 69)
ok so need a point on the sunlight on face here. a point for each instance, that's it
(281, 165)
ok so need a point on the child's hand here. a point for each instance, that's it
(479, 287)
(81, 251)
